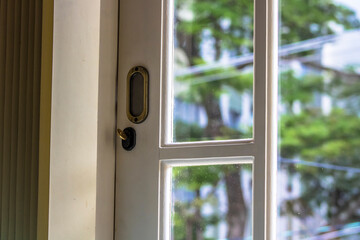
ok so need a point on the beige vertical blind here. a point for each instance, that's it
(20, 59)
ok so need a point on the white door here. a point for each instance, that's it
(200, 167)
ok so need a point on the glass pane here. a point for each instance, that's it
(213, 72)
(319, 113)
(212, 202)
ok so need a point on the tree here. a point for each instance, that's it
(189, 221)
(307, 19)
(332, 140)
(228, 24)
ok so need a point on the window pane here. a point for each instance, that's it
(212, 202)
(319, 113)
(213, 72)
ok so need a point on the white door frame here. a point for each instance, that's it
(82, 141)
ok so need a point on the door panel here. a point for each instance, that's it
(136, 173)
(143, 175)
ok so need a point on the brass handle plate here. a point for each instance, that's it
(137, 94)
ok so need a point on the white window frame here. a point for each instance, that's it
(85, 36)
(272, 35)
(266, 64)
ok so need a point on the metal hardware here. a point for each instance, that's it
(128, 138)
(137, 94)
(121, 134)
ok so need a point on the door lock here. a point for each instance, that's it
(128, 138)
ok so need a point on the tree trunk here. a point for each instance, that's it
(237, 211)
(190, 45)
(189, 229)
(215, 122)
(346, 212)
(199, 231)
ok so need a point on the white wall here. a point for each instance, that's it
(82, 155)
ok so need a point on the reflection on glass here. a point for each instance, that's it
(212, 202)
(213, 73)
(319, 113)
(136, 94)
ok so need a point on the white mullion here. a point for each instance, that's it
(167, 51)
(272, 121)
(217, 151)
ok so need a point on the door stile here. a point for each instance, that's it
(136, 170)
(260, 94)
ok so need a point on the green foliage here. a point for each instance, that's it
(306, 19)
(314, 136)
(212, 83)
(190, 132)
(199, 175)
(300, 20)
(187, 214)
(347, 88)
(294, 88)
(187, 132)
(332, 139)
(310, 135)
(209, 16)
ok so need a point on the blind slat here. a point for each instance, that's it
(14, 118)
(3, 17)
(22, 124)
(29, 119)
(7, 122)
(36, 120)
(20, 65)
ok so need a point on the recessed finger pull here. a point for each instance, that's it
(137, 106)
(128, 138)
